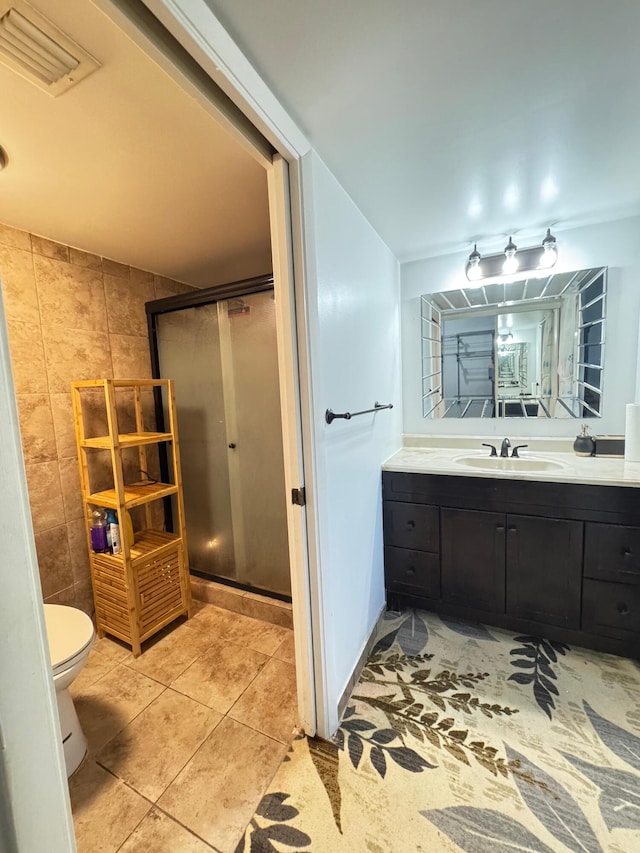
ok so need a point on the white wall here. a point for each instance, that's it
(354, 336)
(612, 244)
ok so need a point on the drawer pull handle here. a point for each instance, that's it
(411, 570)
(626, 552)
(500, 528)
(623, 610)
(411, 523)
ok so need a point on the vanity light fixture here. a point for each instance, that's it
(474, 270)
(513, 260)
(511, 263)
(549, 251)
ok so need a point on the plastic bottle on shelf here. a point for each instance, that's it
(99, 542)
(113, 532)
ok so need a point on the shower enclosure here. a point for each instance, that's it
(219, 346)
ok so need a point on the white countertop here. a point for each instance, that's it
(446, 457)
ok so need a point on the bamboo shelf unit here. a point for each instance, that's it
(146, 586)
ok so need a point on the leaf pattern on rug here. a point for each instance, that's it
(273, 808)
(619, 799)
(405, 712)
(411, 635)
(537, 654)
(625, 745)
(485, 831)
(356, 733)
(474, 631)
(324, 756)
(554, 807)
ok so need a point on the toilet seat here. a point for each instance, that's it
(70, 632)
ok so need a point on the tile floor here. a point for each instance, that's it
(184, 740)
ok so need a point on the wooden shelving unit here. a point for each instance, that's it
(146, 586)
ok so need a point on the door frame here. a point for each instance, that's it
(191, 41)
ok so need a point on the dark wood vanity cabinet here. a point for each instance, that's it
(557, 559)
(544, 559)
(473, 559)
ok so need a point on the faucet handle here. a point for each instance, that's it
(514, 452)
(494, 452)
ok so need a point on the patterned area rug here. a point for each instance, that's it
(461, 737)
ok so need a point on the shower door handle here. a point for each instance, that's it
(232, 446)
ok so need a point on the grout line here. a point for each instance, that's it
(184, 826)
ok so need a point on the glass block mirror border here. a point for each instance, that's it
(531, 348)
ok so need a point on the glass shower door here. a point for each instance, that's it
(223, 359)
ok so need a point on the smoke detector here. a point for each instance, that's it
(39, 51)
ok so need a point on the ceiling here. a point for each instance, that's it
(127, 166)
(449, 121)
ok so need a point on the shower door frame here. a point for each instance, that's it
(169, 305)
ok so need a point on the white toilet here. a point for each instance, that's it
(71, 634)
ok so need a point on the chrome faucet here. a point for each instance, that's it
(504, 450)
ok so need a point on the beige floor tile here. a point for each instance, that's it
(150, 752)
(209, 619)
(105, 810)
(286, 651)
(97, 666)
(236, 628)
(269, 703)
(112, 648)
(109, 704)
(218, 791)
(158, 833)
(165, 658)
(220, 676)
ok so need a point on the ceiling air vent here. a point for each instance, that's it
(39, 51)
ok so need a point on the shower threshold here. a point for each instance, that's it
(249, 602)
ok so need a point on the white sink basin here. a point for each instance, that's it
(496, 463)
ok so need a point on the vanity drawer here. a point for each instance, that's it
(413, 572)
(612, 552)
(408, 525)
(611, 609)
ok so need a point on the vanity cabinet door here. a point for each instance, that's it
(544, 570)
(473, 559)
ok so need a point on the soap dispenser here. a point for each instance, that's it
(585, 444)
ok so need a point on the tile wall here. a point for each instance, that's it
(71, 315)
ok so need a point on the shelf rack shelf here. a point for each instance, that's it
(146, 586)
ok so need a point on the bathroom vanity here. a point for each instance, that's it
(550, 553)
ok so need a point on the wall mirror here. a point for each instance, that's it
(531, 348)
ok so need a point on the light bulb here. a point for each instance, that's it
(550, 253)
(511, 263)
(474, 270)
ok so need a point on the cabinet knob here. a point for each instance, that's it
(622, 609)
(411, 570)
(232, 446)
(411, 523)
(512, 528)
(626, 552)
(500, 528)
